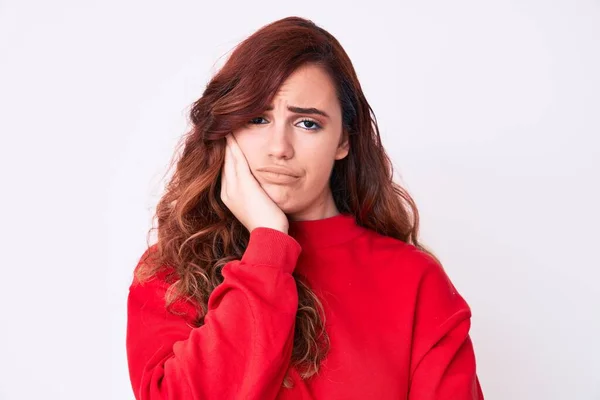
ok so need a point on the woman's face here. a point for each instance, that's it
(305, 143)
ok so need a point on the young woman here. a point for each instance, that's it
(287, 264)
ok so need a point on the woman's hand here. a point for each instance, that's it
(244, 196)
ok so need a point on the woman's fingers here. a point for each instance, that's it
(230, 160)
(240, 159)
(228, 172)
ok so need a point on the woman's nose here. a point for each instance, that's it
(280, 144)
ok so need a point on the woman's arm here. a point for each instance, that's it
(443, 361)
(244, 347)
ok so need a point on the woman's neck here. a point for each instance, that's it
(321, 210)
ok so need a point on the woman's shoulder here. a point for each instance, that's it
(150, 286)
(417, 271)
(161, 274)
(400, 253)
(414, 266)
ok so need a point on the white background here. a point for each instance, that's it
(490, 111)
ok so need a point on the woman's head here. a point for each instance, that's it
(268, 69)
(300, 131)
(288, 63)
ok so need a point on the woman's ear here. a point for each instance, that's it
(343, 147)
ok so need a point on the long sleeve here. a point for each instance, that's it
(443, 361)
(244, 347)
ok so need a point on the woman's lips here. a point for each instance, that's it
(278, 178)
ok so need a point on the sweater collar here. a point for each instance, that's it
(325, 232)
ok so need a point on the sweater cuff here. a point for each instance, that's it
(269, 246)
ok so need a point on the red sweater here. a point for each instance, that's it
(398, 328)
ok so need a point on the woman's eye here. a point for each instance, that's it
(254, 120)
(310, 125)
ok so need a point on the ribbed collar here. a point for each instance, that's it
(325, 232)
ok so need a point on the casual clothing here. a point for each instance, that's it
(398, 328)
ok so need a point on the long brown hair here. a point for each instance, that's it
(198, 235)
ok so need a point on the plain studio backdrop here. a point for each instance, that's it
(490, 111)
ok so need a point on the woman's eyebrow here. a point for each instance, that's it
(301, 110)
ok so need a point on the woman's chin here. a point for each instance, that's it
(282, 197)
(284, 203)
